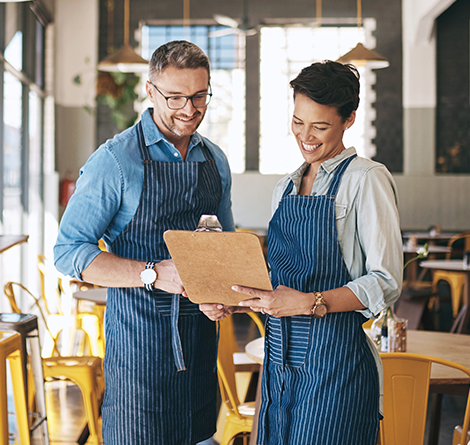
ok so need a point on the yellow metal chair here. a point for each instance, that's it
(87, 321)
(406, 390)
(240, 415)
(10, 349)
(85, 372)
(456, 280)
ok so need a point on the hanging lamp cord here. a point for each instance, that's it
(359, 13)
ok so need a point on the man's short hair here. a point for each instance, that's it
(180, 54)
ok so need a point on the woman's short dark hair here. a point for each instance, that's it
(330, 83)
(180, 54)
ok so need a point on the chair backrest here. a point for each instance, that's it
(10, 293)
(225, 366)
(49, 278)
(466, 236)
(406, 390)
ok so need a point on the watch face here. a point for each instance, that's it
(148, 276)
(320, 310)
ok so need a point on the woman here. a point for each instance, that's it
(334, 248)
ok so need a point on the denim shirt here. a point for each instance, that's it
(109, 188)
(367, 224)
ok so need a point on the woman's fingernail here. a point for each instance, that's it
(234, 287)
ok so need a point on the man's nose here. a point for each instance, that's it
(189, 108)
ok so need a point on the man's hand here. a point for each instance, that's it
(168, 279)
(215, 311)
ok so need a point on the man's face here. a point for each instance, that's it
(177, 124)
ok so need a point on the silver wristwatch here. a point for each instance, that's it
(149, 276)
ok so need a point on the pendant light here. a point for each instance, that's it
(125, 59)
(360, 55)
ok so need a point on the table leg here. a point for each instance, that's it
(435, 419)
(466, 302)
(254, 430)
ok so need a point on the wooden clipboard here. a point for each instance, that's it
(210, 263)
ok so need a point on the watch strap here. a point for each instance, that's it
(149, 265)
(319, 301)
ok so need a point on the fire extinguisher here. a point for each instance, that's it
(67, 187)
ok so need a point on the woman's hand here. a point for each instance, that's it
(282, 302)
(215, 311)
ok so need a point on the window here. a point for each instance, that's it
(284, 52)
(21, 147)
(224, 123)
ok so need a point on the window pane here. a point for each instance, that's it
(12, 207)
(284, 52)
(35, 198)
(224, 123)
(14, 51)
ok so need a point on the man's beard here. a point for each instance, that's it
(172, 126)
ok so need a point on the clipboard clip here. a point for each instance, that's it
(209, 223)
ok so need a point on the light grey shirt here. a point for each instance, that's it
(367, 223)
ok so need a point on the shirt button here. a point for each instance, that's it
(175, 155)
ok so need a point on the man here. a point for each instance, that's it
(157, 175)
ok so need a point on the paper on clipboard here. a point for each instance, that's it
(210, 263)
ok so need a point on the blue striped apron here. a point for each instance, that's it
(161, 387)
(320, 380)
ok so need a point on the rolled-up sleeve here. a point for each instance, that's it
(377, 232)
(89, 212)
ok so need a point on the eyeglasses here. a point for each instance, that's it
(199, 100)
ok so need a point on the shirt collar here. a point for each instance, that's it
(329, 165)
(153, 135)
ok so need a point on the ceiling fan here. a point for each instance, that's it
(242, 28)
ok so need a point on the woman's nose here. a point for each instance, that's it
(306, 134)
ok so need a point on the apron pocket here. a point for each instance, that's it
(297, 342)
(187, 307)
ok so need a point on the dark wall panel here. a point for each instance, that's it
(453, 111)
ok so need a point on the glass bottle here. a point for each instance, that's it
(384, 333)
(379, 328)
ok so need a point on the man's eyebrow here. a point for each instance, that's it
(179, 93)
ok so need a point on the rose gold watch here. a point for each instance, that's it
(319, 308)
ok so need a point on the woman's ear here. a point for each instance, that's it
(350, 120)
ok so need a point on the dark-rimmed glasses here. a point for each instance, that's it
(199, 100)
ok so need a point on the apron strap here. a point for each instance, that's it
(175, 335)
(338, 175)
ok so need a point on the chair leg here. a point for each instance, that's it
(4, 405)
(19, 395)
(89, 389)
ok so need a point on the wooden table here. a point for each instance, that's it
(431, 239)
(456, 266)
(97, 296)
(8, 241)
(453, 347)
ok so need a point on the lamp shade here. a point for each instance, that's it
(360, 56)
(125, 60)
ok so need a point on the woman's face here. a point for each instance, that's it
(318, 129)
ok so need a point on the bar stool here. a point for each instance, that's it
(26, 325)
(11, 350)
